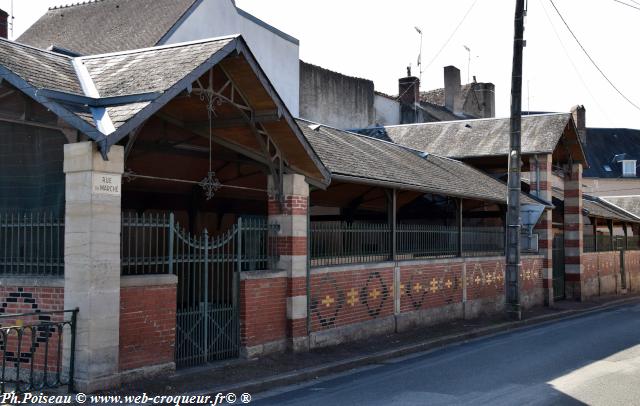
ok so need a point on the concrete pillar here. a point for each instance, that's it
(92, 260)
(573, 232)
(292, 249)
(541, 184)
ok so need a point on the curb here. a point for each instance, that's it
(302, 375)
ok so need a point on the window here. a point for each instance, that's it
(628, 167)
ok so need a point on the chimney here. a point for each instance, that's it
(4, 26)
(579, 114)
(452, 91)
(409, 89)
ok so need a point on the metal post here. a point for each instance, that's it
(513, 200)
(595, 234)
(393, 224)
(459, 221)
(236, 287)
(205, 305)
(171, 232)
(611, 241)
(72, 346)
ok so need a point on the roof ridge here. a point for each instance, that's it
(46, 51)
(433, 123)
(80, 3)
(158, 47)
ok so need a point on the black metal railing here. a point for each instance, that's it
(148, 243)
(32, 350)
(31, 243)
(334, 243)
(604, 243)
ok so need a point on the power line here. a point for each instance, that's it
(575, 68)
(626, 4)
(591, 59)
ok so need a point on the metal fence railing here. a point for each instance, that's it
(32, 351)
(334, 242)
(603, 243)
(31, 244)
(149, 244)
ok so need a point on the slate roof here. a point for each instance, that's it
(599, 207)
(479, 137)
(106, 25)
(369, 159)
(603, 144)
(150, 69)
(39, 68)
(630, 204)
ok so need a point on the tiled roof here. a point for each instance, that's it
(599, 207)
(106, 25)
(148, 70)
(369, 159)
(631, 204)
(481, 137)
(39, 68)
(436, 96)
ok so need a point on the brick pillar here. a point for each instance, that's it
(92, 260)
(544, 228)
(292, 248)
(573, 229)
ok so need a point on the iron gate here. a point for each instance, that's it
(208, 270)
(558, 266)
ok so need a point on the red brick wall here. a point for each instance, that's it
(30, 299)
(346, 297)
(429, 286)
(263, 310)
(632, 269)
(147, 326)
(601, 271)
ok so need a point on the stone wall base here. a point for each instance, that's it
(352, 332)
(272, 347)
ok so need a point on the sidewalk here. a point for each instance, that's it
(254, 376)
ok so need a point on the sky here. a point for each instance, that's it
(377, 40)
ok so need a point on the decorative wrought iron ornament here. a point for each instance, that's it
(210, 184)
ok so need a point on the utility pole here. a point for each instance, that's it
(513, 200)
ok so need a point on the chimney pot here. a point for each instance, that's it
(409, 90)
(452, 92)
(579, 114)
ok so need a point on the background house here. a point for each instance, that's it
(344, 101)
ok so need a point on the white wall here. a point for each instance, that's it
(277, 53)
(387, 111)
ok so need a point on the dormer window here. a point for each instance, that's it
(628, 168)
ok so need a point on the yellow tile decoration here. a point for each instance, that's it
(434, 285)
(352, 297)
(328, 301)
(417, 287)
(374, 293)
(448, 283)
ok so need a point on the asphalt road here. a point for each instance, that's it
(594, 359)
